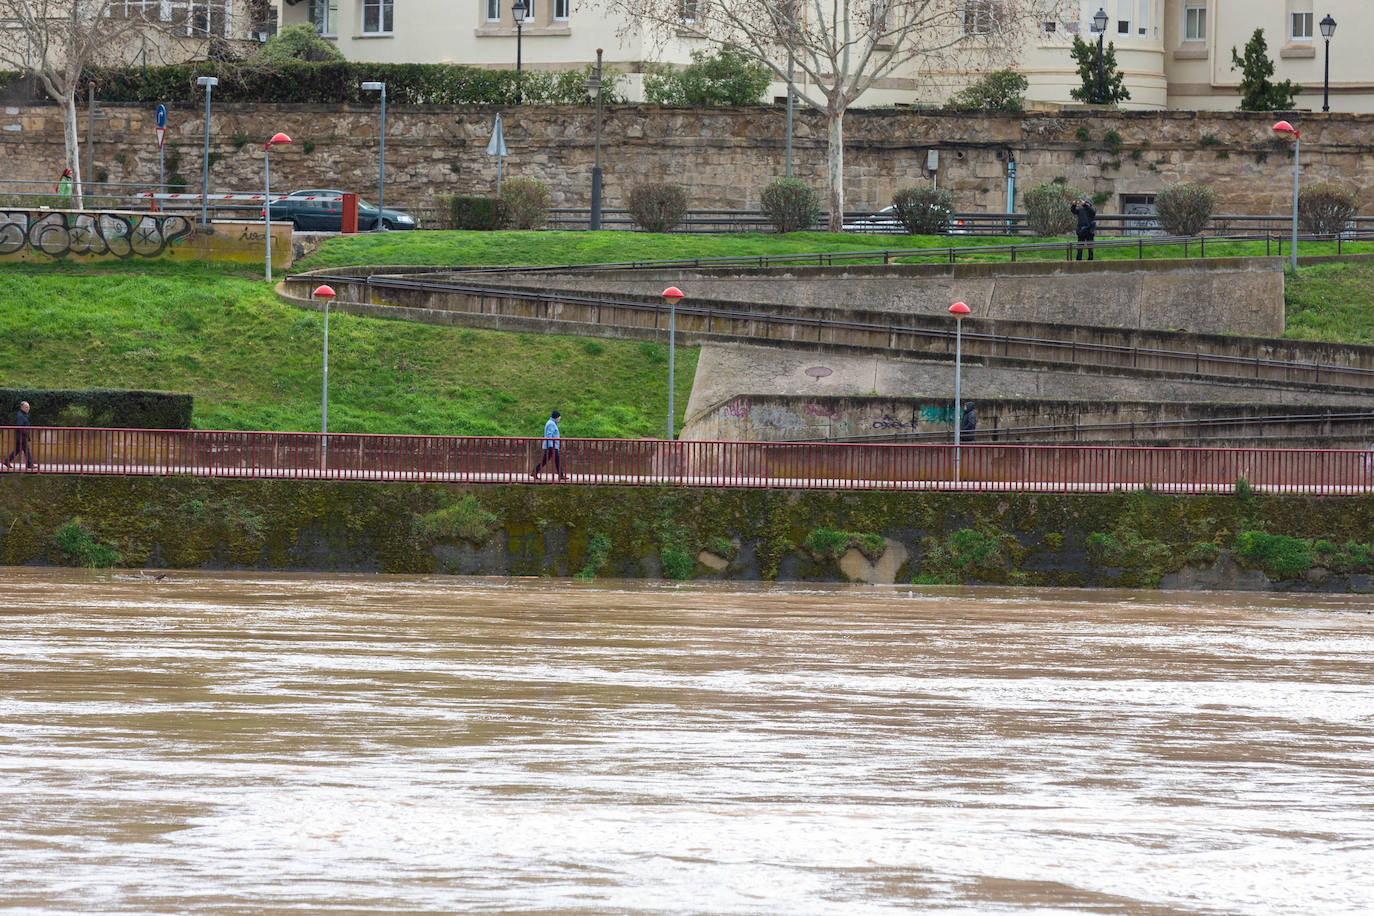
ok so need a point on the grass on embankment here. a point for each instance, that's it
(217, 331)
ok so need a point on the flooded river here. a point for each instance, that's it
(241, 743)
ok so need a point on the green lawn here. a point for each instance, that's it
(217, 331)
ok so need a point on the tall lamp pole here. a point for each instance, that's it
(960, 311)
(1100, 25)
(518, 11)
(267, 195)
(594, 88)
(381, 153)
(1283, 127)
(1328, 27)
(672, 295)
(326, 293)
(209, 82)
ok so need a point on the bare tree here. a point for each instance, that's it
(842, 48)
(53, 40)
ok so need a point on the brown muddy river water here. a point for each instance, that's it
(244, 743)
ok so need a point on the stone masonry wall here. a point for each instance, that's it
(723, 156)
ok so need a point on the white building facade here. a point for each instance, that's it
(1173, 54)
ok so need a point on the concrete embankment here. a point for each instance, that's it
(1138, 539)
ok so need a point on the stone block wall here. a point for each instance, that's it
(723, 156)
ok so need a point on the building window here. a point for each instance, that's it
(982, 17)
(493, 10)
(561, 9)
(1302, 26)
(688, 10)
(1195, 23)
(377, 15)
(324, 16)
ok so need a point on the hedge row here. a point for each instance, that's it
(337, 82)
(98, 407)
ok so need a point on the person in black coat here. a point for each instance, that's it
(968, 423)
(1087, 225)
(21, 438)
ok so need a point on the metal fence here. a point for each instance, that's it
(650, 462)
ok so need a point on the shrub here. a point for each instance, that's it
(791, 204)
(923, 211)
(657, 207)
(1001, 90)
(296, 43)
(676, 563)
(471, 212)
(78, 545)
(101, 407)
(525, 203)
(725, 77)
(1085, 57)
(1184, 209)
(598, 551)
(1047, 208)
(1324, 209)
(466, 519)
(1279, 555)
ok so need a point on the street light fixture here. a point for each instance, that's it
(594, 90)
(325, 292)
(267, 194)
(960, 311)
(519, 10)
(1283, 127)
(1100, 27)
(672, 295)
(209, 82)
(381, 155)
(1328, 27)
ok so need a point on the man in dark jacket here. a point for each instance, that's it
(1087, 225)
(21, 438)
(968, 423)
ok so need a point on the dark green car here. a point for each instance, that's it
(321, 210)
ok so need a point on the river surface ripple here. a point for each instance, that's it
(236, 743)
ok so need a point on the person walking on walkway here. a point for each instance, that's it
(551, 448)
(1087, 225)
(968, 423)
(21, 438)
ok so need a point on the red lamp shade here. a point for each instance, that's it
(1284, 127)
(276, 138)
(324, 292)
(672, 295)
(959, 310)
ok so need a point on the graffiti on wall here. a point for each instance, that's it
(62, 234)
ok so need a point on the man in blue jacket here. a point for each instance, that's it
(21, 438)
(551, 437)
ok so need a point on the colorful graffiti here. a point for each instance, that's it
(62, 234)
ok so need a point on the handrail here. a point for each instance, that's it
(716, 464)
(1121, 355)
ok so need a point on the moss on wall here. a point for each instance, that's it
(1138, 539)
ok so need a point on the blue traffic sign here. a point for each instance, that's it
(162, 116)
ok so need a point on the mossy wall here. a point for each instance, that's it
(1136, 539)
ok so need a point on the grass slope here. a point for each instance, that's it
(253, 363)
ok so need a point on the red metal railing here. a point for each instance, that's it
(650, 462)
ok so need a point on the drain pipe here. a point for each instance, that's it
(1011, 186)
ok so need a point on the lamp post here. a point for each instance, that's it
(1283, 127)
(326, 293)
(518, 11)
(672, 295)
(267, 194)
(1100, 26)
(209, 82)
(381, 152)
(960, 311)
(1328, 27)
(594, 90)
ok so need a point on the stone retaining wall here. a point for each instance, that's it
(723, 156)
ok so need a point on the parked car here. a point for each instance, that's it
(321, 209)
(885, 222)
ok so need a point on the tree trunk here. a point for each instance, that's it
(73, 148)
(835, 167)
